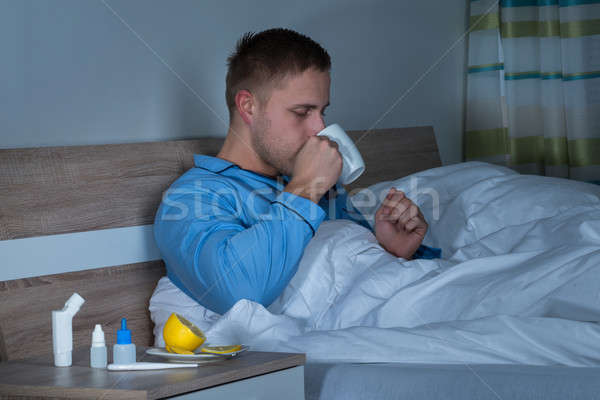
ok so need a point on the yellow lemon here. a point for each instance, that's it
(181, 336)
(221, 349)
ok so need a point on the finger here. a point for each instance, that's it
(401, 207)
(416, 225)
(394, 198)
(408, 203)
(331, 142)
(385, 210)
(411, 225)
(388, 214)
(411, 212)
(383, 213)
(393, 193)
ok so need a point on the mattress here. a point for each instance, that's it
(449, 381)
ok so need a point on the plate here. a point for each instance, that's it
(197, 357)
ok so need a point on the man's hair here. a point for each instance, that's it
(262, 60)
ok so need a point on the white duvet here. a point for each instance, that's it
(519, 281)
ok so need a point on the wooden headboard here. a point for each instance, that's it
(59, 190)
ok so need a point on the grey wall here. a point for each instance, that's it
(73, 73)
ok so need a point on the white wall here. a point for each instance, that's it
(73, 73)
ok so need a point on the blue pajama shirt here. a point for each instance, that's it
(226, 233)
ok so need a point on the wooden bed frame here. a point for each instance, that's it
(56, 190)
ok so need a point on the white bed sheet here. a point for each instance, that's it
(517, 284)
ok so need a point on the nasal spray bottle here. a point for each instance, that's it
(124, 350)
(62, 331)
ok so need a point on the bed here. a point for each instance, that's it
(87, 188)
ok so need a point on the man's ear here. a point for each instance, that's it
(246, 104)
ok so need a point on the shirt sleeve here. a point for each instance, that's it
(342, 208)
(338, 206)
(217, 259)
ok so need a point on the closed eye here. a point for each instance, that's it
(303, 115)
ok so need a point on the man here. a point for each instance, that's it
(236, 225)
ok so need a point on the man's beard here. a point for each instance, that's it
(267, 151)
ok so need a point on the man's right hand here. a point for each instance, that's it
(317, 168)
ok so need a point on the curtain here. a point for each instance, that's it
(533, 86)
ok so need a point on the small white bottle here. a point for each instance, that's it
(98, 350)
(124, 350)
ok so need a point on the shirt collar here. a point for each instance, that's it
(213, 164)
(218, 165)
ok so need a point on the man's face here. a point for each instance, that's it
(293, 113)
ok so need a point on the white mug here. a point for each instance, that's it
(353, 164)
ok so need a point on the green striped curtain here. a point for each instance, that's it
(533, 86)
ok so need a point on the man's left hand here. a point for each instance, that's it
(399, 225)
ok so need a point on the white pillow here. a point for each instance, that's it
(423, 187)
(433, 191)
(467, 202)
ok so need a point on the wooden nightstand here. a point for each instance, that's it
(252, 375)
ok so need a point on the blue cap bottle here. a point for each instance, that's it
(123, 334)
(124, 350)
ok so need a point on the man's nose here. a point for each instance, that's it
(318, 125)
